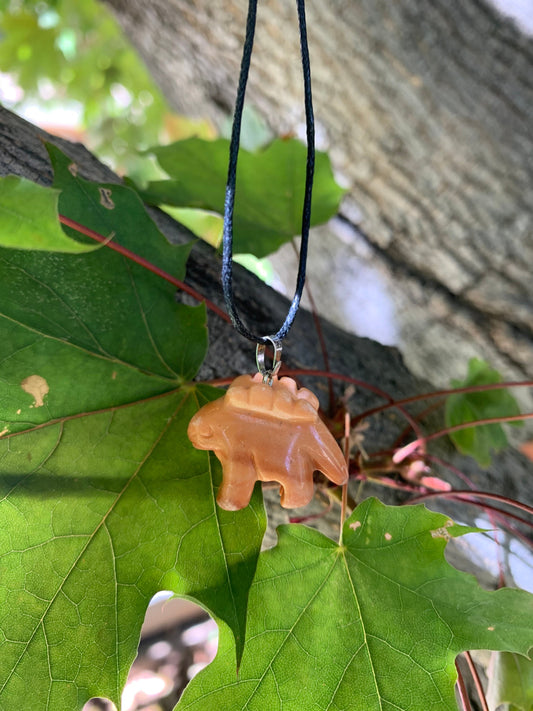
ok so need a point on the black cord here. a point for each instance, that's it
(229, 202)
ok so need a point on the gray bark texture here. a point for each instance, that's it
(426, 108)
(22, 153)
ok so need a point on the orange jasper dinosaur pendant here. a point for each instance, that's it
(267, 432)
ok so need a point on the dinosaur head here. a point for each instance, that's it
(201, 430)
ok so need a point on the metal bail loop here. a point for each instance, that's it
(268, 373)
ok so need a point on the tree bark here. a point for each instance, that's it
(426, 108)
(22, 153)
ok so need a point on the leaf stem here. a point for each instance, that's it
(344, 499)
(501, 519)
(404, 452)
(360, 383)
(477, 681)
(468, 497)
(444, 393)
(443, 463)
(463, 693)
(312, 517)
(143, 263)
(481, 495)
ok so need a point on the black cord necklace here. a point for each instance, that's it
(265, 428)
(229, 203)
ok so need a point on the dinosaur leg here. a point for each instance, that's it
(297, 486)
(238, 482)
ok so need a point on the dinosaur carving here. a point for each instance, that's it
(267, 433)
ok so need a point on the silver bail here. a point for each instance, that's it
(268, 373)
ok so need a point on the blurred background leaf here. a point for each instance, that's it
(478, 442)
(269, 193)
(70, 55)
(66, 66)
(511, 681)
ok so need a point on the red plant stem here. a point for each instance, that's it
(470, 483)
(463, 693)
(346, 379)
(143, 263)
(501, 512)
(323, 348)
(459, 493)
(469, 500)
(408, 449)
(461, 475)
(419, 418)
(217, 382)
(311, 517)
(479, 423)
(361, 384)
(388, 482)
(344, 500)
(477, 681)
(501, 519)
(444, 393)
(527, 542)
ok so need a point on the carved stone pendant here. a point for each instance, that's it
(268, 433)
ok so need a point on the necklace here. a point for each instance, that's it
(266, 428)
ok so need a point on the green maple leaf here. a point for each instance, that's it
(269, 194)
(479, 441)
(374, 624)
(28, 218)
(103, 501)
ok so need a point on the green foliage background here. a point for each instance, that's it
(480, 442)
(71, 52)
(269, 192)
